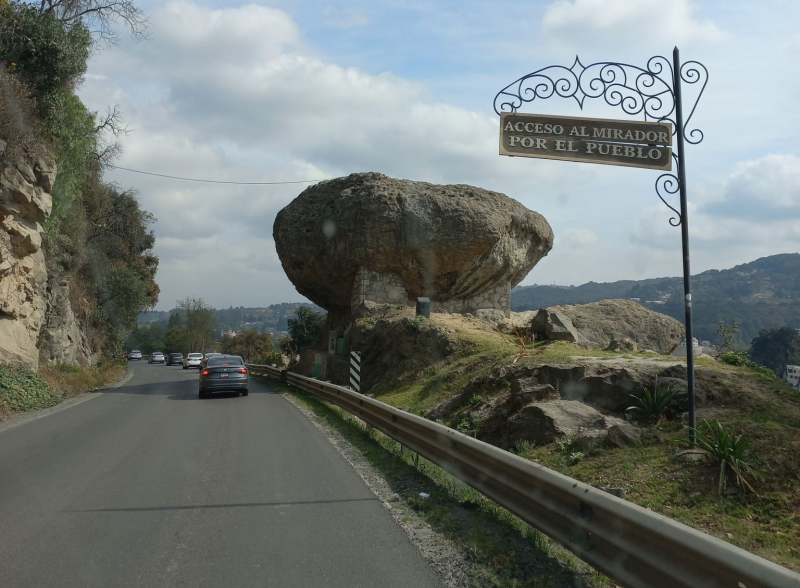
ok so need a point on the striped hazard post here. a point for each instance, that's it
(355, 370)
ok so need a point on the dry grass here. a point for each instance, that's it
(71, 380)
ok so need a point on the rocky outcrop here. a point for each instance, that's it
(542, 403)
(601, 323)
(25, 203)
(64, 340)
(367, 237)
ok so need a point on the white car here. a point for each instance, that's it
(193, 360)
(156, 357)
(135, 354)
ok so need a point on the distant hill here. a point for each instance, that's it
(272, 318)
(764, 293)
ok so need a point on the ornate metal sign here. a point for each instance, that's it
(653, 92)
(590, 140)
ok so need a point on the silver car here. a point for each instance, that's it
(193, 360)
(156, 357)
(135, 354)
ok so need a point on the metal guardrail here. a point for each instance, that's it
(633, 546)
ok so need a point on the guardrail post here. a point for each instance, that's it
(355, 371)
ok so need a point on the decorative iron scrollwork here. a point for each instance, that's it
(646, 91)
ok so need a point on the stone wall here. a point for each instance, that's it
(498, 298)
(380, 288)
(389, 289)
(25, 203)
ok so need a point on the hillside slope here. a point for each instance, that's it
(764, 293)
(461, 371)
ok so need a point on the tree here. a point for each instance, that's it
(147, 339)
(44, 52)
(99, 16)
(776, 348)
(727, 334)
(201, 324)
(305, 326)
(176, 341)
(252, 346)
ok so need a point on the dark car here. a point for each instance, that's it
(175, 359)
(224, 373)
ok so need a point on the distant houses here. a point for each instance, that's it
(793, 376)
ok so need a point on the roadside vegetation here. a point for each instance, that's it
(22, 390)
(742, 485)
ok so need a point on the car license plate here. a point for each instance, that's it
(223, 375)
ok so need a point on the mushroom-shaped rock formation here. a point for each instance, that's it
(370, 237)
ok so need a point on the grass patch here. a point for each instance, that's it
(652, 477)
(71, 380)
(506, 551)
(22, 390)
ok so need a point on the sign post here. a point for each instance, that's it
(653, 92)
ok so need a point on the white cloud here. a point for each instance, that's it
(765, 188)
(239, 94)
(621, 23)
(188, 35)
(576, 238)
(752, 213)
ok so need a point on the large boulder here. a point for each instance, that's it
(607, 321)
(543, 422)
(370, 237)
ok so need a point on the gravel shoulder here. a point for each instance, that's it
(451, 564)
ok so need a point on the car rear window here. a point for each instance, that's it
(195, 355)
(225, 360)
(176, 354)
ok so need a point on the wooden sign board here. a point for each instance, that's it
(589, 140)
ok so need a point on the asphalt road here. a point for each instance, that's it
(146, 485)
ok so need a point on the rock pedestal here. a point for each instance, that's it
(368, 237)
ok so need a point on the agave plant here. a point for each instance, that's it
(653, 406)
(731, 452)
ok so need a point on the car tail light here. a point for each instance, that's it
(243, 371)
(205, 373)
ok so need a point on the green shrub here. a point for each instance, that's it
(740, 358)
(45, 52)
(22, 389)
(414, 325)
(652, 407)
(729, 451)
(734, 358)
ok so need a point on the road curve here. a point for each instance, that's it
(148, 486)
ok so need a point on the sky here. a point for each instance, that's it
(295, 90)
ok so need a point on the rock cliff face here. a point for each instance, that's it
(34, 307)
(25, 204)
(66, 342)
(370, 237)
